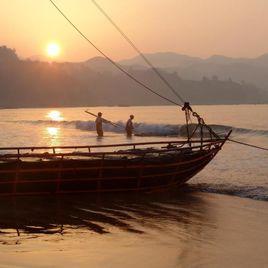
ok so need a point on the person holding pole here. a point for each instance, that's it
(99, 120)
(129, 126)
(98, 123)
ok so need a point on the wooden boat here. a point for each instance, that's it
(103, 168)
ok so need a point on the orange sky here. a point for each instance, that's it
(194, 27)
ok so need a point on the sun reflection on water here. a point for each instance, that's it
(55, 115)
(53, 136)
(52, 131)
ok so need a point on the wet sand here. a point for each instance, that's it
(178, 229)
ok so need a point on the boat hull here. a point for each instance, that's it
(104, 174)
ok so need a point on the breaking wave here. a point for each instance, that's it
(253, 192)
(143, 129)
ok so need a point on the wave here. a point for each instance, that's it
(143, 129)
(253, 192)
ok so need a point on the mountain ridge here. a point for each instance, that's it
(26, 83)
(249, 70)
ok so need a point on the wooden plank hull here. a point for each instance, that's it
(65, 176)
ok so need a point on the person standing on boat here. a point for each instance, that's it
(98, 122)
(129, 126)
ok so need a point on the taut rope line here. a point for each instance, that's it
(112, 61)
(248, 144)
(138, 51)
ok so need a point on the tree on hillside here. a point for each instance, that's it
(8, 55)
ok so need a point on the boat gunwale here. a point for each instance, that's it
(112, 145)
(141, 151)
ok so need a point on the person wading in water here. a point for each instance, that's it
(98, 122)
(129, 126)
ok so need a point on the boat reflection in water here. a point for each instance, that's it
(171, 229)
(99, 214)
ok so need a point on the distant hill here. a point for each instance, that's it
(100, 64)
(248, 70)
(163, 60)
(26, 83)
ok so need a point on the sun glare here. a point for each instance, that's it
(53, 136)
(53, 50)
(52, 131)
(55, 116)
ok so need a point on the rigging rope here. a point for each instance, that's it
(139, 51)
(248, 144)
(112, 61)
(133, 77)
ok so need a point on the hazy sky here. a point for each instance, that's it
(194, 27)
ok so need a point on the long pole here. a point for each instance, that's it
(112, 123)
(105, 120)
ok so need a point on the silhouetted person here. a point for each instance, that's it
(129, 126)
(98, 122)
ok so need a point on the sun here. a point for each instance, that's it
(53, 50)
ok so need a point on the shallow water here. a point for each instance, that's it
(197, 226)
